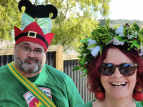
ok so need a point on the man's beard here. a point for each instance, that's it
(29, 67)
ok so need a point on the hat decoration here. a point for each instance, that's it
(39, 31)
(104, 35)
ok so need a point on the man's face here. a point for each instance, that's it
(29, 61)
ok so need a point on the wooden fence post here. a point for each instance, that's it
(59, 58)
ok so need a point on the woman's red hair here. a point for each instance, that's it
(93, 76)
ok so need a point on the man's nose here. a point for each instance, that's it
(31, 53)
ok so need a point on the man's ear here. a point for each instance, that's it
(15, 47)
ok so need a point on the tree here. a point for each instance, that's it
(9, 17)
(76, 19)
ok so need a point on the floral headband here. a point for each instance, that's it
(104, 35)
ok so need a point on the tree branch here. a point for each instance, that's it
(46, 2)
(35, 3)
(66, 10)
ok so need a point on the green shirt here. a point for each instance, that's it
(89, 104)
(56, 84)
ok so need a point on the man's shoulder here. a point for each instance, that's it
(4, 72)
(138, 104)
(54, 70)
(57, 73)
(3, 68)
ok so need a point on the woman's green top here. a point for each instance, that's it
(89, 104)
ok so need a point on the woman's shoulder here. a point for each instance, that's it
(88, 104)
(138, 104)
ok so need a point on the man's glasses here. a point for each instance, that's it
(27, 50)
(108, 69)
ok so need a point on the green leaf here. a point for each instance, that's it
(93, 45)
(141, 31)
(82, 61)
(84, 40)
(85, 71)
(83, 75)
(83, 50)
(124, 31)
(134, 43)
(100, 50)
(135, 26)
(107, 24)
(76, 68)
(79, 56)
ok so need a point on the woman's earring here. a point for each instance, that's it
(138, 95)
(100, 95)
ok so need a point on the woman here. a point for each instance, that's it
(111, 58)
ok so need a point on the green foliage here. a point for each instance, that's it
(103, 36)
(71, 26)
(72, 31)
(84, 57)
(9, 17)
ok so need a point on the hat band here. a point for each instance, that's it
(36, 36)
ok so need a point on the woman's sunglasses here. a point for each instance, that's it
(108, 69)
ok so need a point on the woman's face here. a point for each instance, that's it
(113, 84)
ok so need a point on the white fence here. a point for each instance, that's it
(6, 43)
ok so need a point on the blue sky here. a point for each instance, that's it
(126, 9)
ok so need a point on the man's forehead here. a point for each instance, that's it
(32, 44)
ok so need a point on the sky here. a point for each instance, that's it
(126, 9)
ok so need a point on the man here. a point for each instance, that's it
(28, 80)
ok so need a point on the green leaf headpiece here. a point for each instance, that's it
(104, 35)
